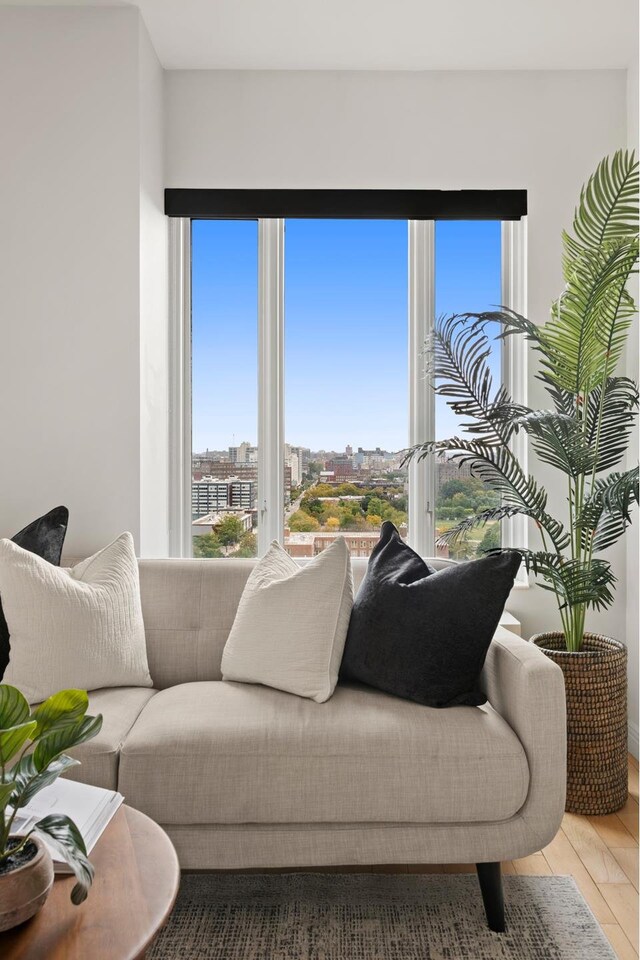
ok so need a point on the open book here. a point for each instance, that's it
(90, 808)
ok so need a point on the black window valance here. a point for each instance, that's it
(346, 204)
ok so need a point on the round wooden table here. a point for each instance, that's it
(133, 892)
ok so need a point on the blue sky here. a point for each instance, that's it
(345, 326)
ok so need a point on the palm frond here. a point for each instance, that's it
(558, 440)
(510, 321)
(589, 322)
(462, 529)
(608, 206)
(614, 407)
(606, 511)
(458, 353)
(621, 490)
(575, 582)
(496, 466)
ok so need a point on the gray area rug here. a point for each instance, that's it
(313, 916)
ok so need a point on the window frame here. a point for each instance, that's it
(271, 373)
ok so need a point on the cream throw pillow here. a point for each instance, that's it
(292, 621)
(73, 627)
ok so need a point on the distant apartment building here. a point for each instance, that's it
(298, 459)
(245, 453)
(342, 468)
(223, 470)
(212, 494)
(449, 470)
(360, 543)
(292, 460)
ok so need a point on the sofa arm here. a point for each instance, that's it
(527, 690)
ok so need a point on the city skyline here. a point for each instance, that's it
(345, 326)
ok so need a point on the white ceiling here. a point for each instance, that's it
(389, 34)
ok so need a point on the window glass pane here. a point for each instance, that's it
(224, 310)
(468, 279)
(346, 382)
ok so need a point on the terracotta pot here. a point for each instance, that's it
(595, 681)
(24, 890)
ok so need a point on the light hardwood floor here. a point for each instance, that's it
(600, 853)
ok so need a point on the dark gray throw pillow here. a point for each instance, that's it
(423, 634)
(45, 537)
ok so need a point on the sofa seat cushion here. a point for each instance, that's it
(120, 707)
(219, 752)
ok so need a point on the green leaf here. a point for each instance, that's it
(14, 708)
(29, 781)
(613, 407)
(6, 789)
(62, 738)
(576, 582)
(64, 836)
(558, 440)
(606, 511)
(14, 739)
(608, 207)
(67, 706)
(587, 331)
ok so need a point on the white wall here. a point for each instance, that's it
(545, 131)
(71, 290)
(154, 305)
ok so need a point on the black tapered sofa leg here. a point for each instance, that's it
(490, 879)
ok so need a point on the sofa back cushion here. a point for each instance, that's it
(189, 607)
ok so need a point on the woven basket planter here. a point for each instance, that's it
(596, 690)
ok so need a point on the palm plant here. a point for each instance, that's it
(32, 755)
(585, 432)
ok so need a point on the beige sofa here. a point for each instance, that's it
(242, 775)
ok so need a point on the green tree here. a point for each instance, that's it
(449, 488)
(312, 506)
(379, 507)
(490, 541)
(229, 531)
(302, 522)
(248, 546)
(206, 546)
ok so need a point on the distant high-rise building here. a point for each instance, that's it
(245, 453)
(210, 494)
(293, 460)
(223, 470)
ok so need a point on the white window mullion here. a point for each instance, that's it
(180, 539)
(421, 396)
(514, 357)
(270, 382)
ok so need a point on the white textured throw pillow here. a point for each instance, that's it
(292, 621)
(78, 627)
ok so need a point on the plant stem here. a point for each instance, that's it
(15, 850)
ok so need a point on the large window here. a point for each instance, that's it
(302, 379)
(468, 277)
(224, 386)
(346, 382)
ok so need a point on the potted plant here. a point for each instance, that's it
(32, 755)
(583, 435)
